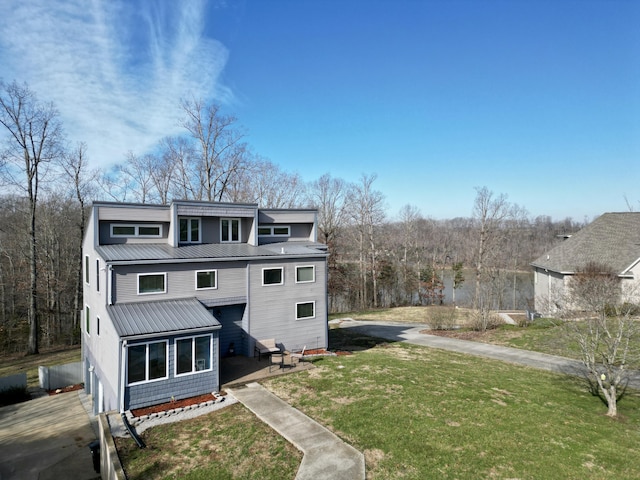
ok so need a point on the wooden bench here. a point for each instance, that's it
(265, 347)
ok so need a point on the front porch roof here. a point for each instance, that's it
(162, 317)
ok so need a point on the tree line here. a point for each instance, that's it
(375, 260)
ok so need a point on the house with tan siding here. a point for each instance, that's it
(611, 241)
(171, 289)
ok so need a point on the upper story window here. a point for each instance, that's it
(206, 279)
(87, 319)
(98, 275)
(190, 230)
(274, 231)
(272, 276)
(136, 230)
(230, 230)
(305, 274)
(86, 270)
(149, 283)
(305, 310)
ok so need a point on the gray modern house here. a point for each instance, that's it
(171, 289)
(611, 241)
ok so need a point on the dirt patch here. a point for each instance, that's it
(460, 334)
(162, 407)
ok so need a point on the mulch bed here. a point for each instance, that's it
(70, 388)
(322, 351)
(138, 412)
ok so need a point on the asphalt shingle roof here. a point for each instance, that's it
(166, 316)
(613, 240)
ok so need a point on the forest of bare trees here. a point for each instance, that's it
(376, 259)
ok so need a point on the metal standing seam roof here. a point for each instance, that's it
(157, 251)
(165, 316)
(612, 240)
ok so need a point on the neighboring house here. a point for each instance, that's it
(170, 289)
(612, 241)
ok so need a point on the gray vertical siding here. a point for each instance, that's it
(272, 308)
(181, 281)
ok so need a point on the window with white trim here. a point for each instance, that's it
(87, 319)
(305, 310)
(150, 283)
(98, 326)
(229, 230)
(97, 275)
(305, 274)
(274, 231)
(206, 279)
(143, 230)
(193, 354)
(86, 270)
(273, 276)
(147, 362)
(190, 230)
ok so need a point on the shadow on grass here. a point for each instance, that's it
(363, 338)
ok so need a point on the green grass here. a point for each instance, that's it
(228, 444)
(11, 365)
(422, 413)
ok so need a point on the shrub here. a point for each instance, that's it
(442, 318)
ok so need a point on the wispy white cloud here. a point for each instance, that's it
(116, 70)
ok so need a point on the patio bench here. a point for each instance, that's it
(265, 347)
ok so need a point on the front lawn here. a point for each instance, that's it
(423, 413)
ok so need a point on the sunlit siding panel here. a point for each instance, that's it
(273, 308)
(180, 281)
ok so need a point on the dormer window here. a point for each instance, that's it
(190, 230)
(136, 230)
(274, 231)
(230, 230)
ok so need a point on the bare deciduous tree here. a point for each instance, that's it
(34, 140)
(221, 152)
(606, 329)
(489, 213)
(367, 209)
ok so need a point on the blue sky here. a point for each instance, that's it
(539, 100)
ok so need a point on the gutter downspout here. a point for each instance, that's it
(110, 285)
(123, 370)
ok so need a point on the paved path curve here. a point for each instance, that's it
(411, 334)
(325, 455)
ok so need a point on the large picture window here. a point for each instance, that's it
(230, 230)
(146, 362)
(149, 283)
(272, 276)
(206, 279)
(190, 230)
(305, 274)
(193, 354)
(305, 310)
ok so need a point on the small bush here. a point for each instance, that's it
(483, 320)
(13, 395)
(442, 318)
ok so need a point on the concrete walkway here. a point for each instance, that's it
(410, 333)
(325, 455)
(46, 438)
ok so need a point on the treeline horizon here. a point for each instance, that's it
(375, 261)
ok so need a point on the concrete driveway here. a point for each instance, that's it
(46, 438)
